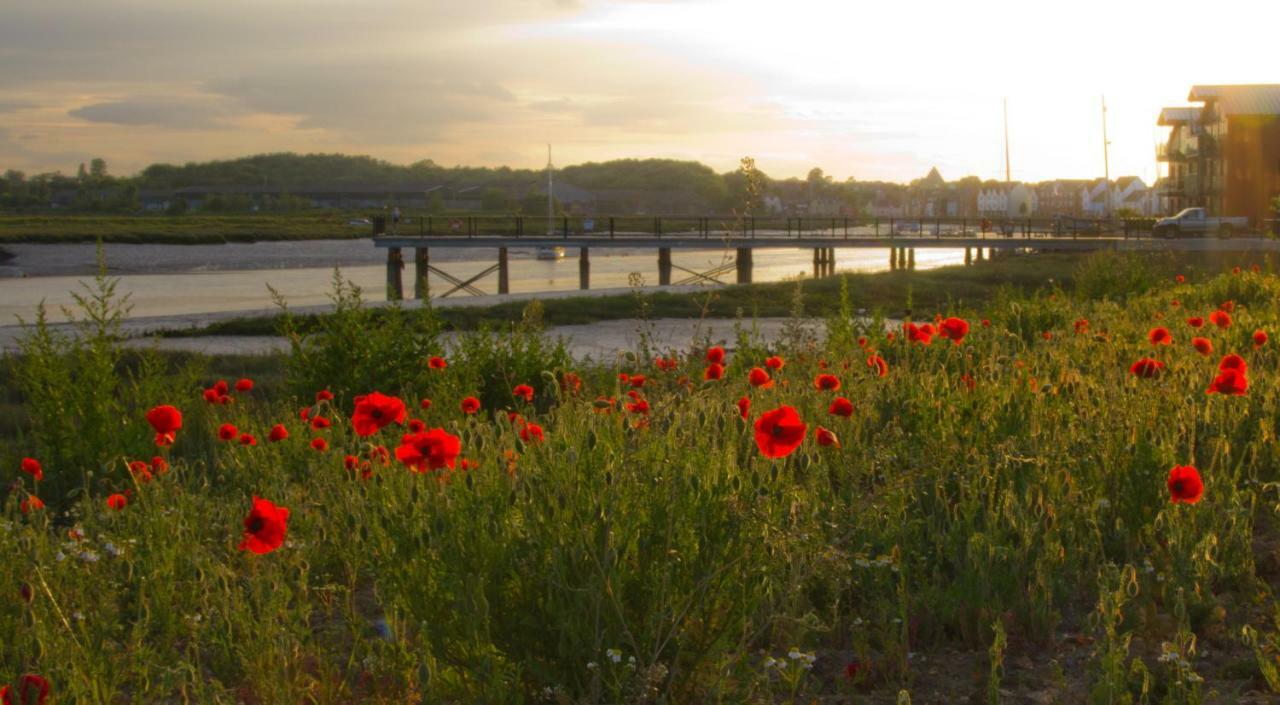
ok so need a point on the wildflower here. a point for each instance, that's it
(1146, 368)
(324, 395)
(350, 462)
(264, 527)
(779, 432)
(31, 504)
(757, 377)
(32, 467)
(1259, 338)
(32, 690)
(437, 363)
(744, 407)
(227, 432)
(826, 437)
(244, 384)
(165, 420)
(715, 355)
(1227, 306)
(222, 388)
(986, 323)
(247, 439)
(1081, 326)
(523, 391)
(1233, 362)
(614, 655)
(852, 669)
(1221, 319)
(277, 433)
(968, 382)
(713, 372)
(1180, 279)
(1185, 485)
(117, 502)
(159, 465)
(319, 445)
(374, 411)
(1202, 345)
(826, 382)
(776, 363)
(1160, 336)
(319, 423)
(1229, 381)
(417, 426)
(639, 406)
(429, 450)
(841, 407)
(139, 470)
(424, 404)
(879, 365)
(637, 381)
(570, 383)
(304, 413)
(919, 334)
(470, 405)
(1195, 321)
(531, 433)
(954, 329)
(1047, 335)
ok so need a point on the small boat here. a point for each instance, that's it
(549, 252)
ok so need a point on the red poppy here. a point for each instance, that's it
(986, 323)
(715, 355)
(1146, 368)
(424, 404)
(639, 406)
(775, 363)
(531, 433)
(221, 387)
(1195, 321)
(852, 669)
(416, 426)
(320, 422)
(826, 382)
(324, 395)
(1160, 336)
(117, 502)
(32, 690)
(1259, 338)
(32, 467)
(159, 465)
(1202, 345)
(304, 413)
(244, 384)
(744, 407)
(247, 439)
(380, 454)
(514, 418)
(862, 341)
(374, 411)
(1185, 485)
(523, 391)
(1221, 319)
(954, 329)
(437, 363)
(1228, 306)
(140, 470)
(227, 432)
(31, 504)
(757, 377)
(1229, 381)
(878, 364)
(351, 462)
(637, 381)
(570, 383)
(713, 372)
(319, 445)
(826, 438)
(919, 334)
(1175, 303)
(1233, 362)
(470, 405)
(779, 432)
(1047, 335)
(1081, 326)
(1180, 279)
(429, 450)
(277, 433)
(841, 407)
(264, 527)
(165, 420)
(624, 377)
(968, 382)
(211, 395)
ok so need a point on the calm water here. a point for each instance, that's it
(218, 290)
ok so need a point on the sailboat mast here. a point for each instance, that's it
(1106, 158)
(551, 211)
(1008, 172)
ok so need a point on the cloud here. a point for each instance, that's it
(160, 112)
(10, 106)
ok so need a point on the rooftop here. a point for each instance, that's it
(1260, 99)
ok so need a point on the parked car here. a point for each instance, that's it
(1193, 222)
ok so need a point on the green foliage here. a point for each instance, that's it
(494, 359)
(1117, 276)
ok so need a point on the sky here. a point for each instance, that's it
(880, 90)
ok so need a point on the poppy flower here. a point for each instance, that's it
(1185, 485)
(1180, 279)
(1221, 319)
(637, 381)
(919, 334)
(374, 411)
(1195, 321)
(1259, 338)
(264, 527)
(713, 372)
(523, 391)
(968, 382)
(1229, 381)
(852, 669)
(32, 467)
(1227, 306)
(32, 690)
(319, 445)
(623, 377)
(1233, 362)
(841, 407)
(429, 450)
(639, 406)
(227, 432)
(320, 422)
(437, 363)
(986, 323)
(1146, 368)
(380, 454)
(159, 465)
(222, 388)
(140, 470)
(715, 355)
(570, 383)
(757, 377)
(1202, 345)
(1081, 326)
(470, 405)
(776, 363)
(211, 395)
(1047, 335)
(531, 433)
(744, 407)
(165, 420)
(31, 504)
(862, 341)
(117, 502)
(277, 433)
(1160, 336)
(826, 382)
(247, 439)
(779, 432)
(416, 425)
(324, 395)
(304, 413)
(424, 404)
(244, 384)
(351, 462)
(825, 437)
(954, 329)
(878, 364)
(1175, 303)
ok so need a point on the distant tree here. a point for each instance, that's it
(535, 204)
(177, 206)
(83, 174)
(97, 168)
(494, 200)
(126, 198)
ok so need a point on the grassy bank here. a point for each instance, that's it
(180, 230)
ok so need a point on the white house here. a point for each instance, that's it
(1005, 201)
(1100, 199)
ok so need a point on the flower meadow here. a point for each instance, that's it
(1065, 495)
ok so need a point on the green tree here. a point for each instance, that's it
(98, 169)
(494, 200)
(535, 204)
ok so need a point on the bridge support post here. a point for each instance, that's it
(893, 259)
(968, 256)
(664, 266)
(421, 261)
(911, 258)
(395, 263)
(744, 265)
(503, 272)
(831, 261)
(817, 261)
(979, 258)
(584, 268)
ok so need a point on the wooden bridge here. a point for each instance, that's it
(901, 236)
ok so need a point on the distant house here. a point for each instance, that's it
(773, 204)
(320, 195)
(1100, 199)
(649, 202)
(882, 206)
(1016, 200)
(1060, 197)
